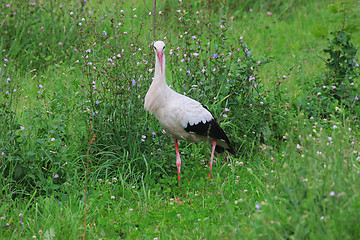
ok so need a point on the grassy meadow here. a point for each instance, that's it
(81, 158)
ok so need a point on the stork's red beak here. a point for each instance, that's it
(160, 56)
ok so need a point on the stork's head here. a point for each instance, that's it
(159, 48)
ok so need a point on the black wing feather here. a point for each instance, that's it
(212, 129)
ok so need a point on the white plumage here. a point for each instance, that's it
(182, 117)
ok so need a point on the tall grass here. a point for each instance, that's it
(72, 69)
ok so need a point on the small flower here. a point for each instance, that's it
(193, 37)
(333, 87)
(195, 54)
(112, 197)
(6, 60)
(224, 115)
(104, 33)
(22, 128)
(284, 76)
(154, 134)
(133, 82)
(41, 86)
(56, 175)
(261, 103)
(40, 44)
(20, 215)
(88, 50)
(257, 207)
(97, 102)
(226, 109)
(215, 55)
(95, 113)
(329, 138)
(334, 127)
(356, 97)
(332, 193)
(8, 80)
(52, 139)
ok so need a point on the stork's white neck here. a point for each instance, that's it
(159, 91)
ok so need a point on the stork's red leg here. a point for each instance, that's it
(212, 156)
(178, 159)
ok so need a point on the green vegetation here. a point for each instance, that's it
(80, 155)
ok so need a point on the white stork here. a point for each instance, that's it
(182, 117)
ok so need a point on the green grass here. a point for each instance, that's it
(296, 172)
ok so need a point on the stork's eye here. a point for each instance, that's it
(164, 48)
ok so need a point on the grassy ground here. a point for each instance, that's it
(75, 73)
